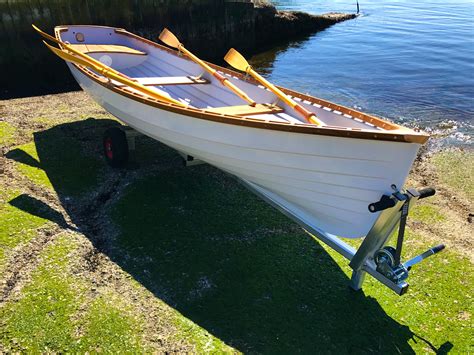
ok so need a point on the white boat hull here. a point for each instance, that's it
(331, 179)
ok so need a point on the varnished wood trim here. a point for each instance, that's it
(246, 110)
(394, 133)
(105, 48)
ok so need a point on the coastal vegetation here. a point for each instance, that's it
(159, 257)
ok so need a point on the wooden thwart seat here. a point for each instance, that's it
(106, 48)
(167, 80)
(246, 110)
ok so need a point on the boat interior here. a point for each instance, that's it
(172, 74)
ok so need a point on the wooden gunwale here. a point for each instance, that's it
(105, 48)
(409, 136)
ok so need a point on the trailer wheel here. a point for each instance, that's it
(115, 147)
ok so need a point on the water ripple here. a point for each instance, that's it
(409, 61)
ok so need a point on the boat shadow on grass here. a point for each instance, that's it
(209, 248)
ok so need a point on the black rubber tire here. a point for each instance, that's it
(115, 147)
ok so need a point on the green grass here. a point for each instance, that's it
(7, 133)
(456, 169)
(48, 316)
(112, 326)
(58, 162)
(51, 162)
(241, 270)
(41, 321)
(16, 226)
(33, 169)
(55, 312)
(203, 342)
(438, 305)
(426, 213)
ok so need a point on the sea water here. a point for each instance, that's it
(409, 61)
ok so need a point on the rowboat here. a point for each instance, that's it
(323, 164)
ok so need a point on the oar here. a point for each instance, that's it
(171, 40)
(78, 53)
(238, 61)
(111, 75)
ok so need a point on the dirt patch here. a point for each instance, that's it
(455, 230)
(24, 260)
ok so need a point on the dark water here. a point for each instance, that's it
(411, 61)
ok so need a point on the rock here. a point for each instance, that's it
(274, 26)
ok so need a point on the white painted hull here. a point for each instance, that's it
(331, 179)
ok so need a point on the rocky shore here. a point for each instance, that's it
(209, 28)
(273, 26)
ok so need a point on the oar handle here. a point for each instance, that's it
(310, 116)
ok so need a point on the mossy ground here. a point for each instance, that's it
(58, 293)
(15, 226)
(158, 257)
(456, 169)
(7, 133)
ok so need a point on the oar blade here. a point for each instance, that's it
(166, 36)
(237, 60)
(44, 34)
(69, 57)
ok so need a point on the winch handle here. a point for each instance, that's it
(426, 192)
(384, 203)
(421, 257)
(437, 248)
